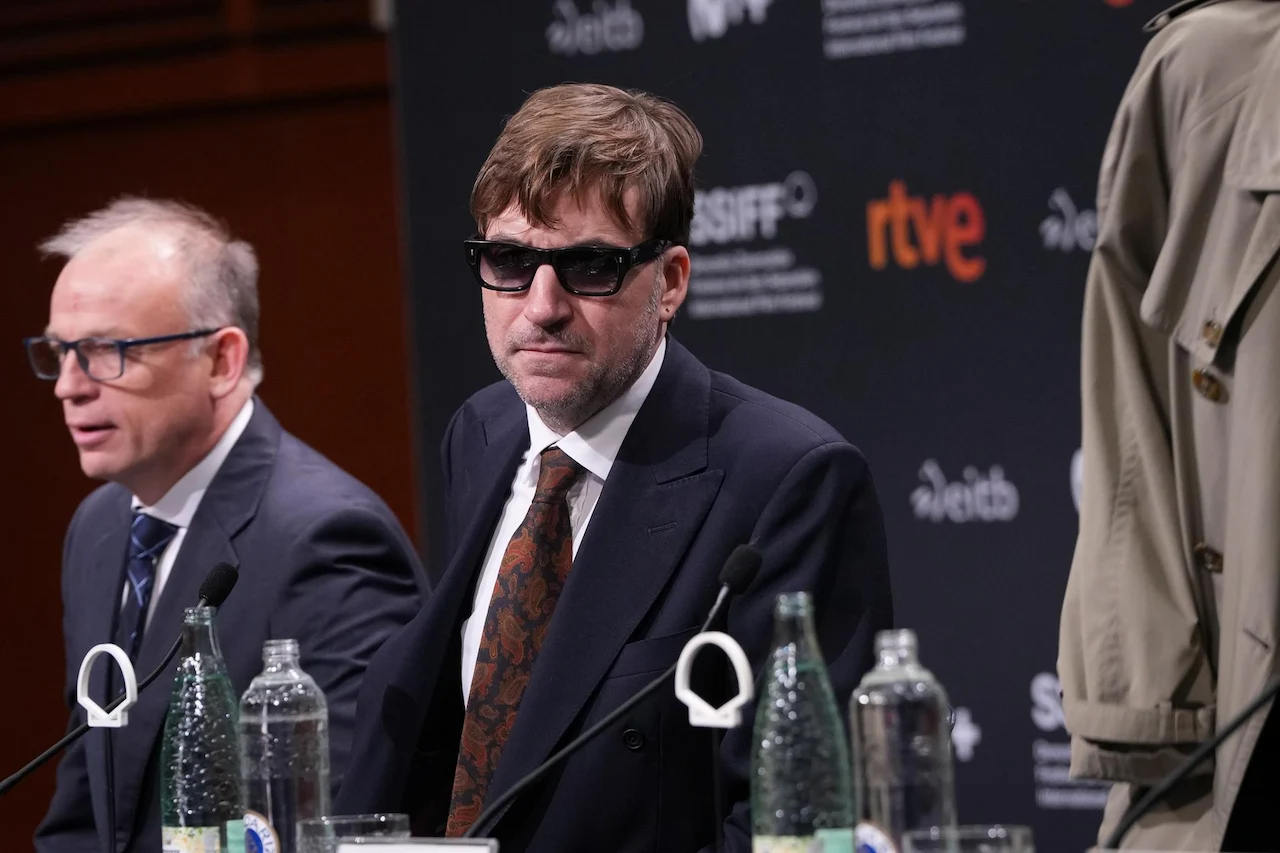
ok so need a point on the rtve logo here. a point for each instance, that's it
(917, 231)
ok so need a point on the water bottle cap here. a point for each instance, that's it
(198, 615)
(901, 642)
(793, 604)
(280, 648)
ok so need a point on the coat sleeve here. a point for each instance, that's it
(1131, 661)
(822, 532)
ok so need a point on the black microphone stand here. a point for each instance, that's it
(738, 572)
(213, 592)
(79, 731)
(717, 787)
(109, 749)
(495, 809)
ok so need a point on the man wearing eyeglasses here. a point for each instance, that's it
(152, 346)
(592, 500)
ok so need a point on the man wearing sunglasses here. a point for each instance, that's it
(152, 351)
(592, 500)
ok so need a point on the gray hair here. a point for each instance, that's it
(222, 279)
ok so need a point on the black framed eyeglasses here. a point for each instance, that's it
(101, 359)
(581, 270)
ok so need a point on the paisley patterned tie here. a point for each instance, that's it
(534, 568)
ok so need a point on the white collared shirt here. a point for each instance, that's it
(594, 445)
(179, 504)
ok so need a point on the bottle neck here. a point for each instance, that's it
(279, 663)
(793, 637)
(896, 649)
(895, 658)
(200, 640)
(280, 656)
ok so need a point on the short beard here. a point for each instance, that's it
(603, 384)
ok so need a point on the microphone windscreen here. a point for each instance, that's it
(218, 584)
(741, 568)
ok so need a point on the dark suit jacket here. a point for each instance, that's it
(708, 464)
(322, 560)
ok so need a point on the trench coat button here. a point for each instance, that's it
(1209, 559)
(633, 740)
(1212, 333)
(1204, 382)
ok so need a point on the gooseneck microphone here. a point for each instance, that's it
(215, 589)
(218, 585)
(1203, 751)
(738, 573)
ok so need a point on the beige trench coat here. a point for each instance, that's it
(1172, 612)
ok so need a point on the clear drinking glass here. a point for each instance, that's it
(322, 834)
(996, 838)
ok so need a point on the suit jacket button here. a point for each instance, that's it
(1212, 333)
(1204, 382)
(633, 740)
(1209, 559)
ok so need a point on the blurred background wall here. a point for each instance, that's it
(272, 114)
(896, 212)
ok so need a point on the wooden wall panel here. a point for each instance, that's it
(307, 176)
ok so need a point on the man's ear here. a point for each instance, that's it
(674, 273)
(230, 351)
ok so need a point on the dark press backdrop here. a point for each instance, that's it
(893, 230)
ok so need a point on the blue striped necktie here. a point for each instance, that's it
(148, 538)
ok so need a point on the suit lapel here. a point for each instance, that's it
(109, 556)
(480, 490)
(654, 501)
(227, 506)
(486, 485)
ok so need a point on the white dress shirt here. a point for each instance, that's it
(594, 445)
(178, 506)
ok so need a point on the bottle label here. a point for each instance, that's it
(190, 839)
(836, 840)
(785, 844)
(235, 836)
(873, 839)
(259, 835)
(822, 841)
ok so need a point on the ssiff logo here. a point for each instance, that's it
(917, 231)
(740, 214)
(610, 26)
(712, 18)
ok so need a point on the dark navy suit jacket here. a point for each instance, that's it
(322, 560)
(707, 465)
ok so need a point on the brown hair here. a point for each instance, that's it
(581, 138)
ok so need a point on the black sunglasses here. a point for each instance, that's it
(581, 270)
